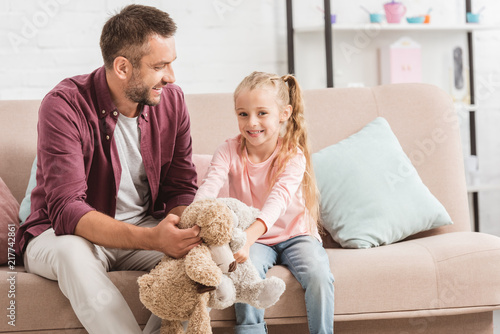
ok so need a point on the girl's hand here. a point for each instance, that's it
(254, 232)
(243, 254)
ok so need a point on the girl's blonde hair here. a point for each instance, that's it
(288, 92)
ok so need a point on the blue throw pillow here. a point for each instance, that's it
(25, 208)
(371, 194)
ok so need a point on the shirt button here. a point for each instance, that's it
(145, 114)
(107, 137)
(104, 111)
(115, 113)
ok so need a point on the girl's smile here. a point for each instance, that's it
(255, 133)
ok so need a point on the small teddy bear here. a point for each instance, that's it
(176, 289)
(250, 287)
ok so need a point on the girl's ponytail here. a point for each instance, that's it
(296, 136)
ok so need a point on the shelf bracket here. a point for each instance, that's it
(289, 36)
(328, 43)
(472, 114)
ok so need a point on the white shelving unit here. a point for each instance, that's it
(331, 37)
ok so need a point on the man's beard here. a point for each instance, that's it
(138, 92)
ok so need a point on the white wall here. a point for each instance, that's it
(218, 41)
(221, 41)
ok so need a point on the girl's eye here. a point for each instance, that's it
(242, 114)
(262, 113)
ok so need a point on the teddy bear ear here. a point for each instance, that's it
(145, 280)
(145, 283)
(190, 216)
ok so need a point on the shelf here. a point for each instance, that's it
(481, 187)
(468, 27)
(465, 107)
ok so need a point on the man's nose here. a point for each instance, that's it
(168, 75)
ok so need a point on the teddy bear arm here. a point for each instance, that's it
(201, 268)
(199, 321)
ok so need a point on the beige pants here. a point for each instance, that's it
(80, 267)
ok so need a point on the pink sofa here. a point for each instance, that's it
(446, 280)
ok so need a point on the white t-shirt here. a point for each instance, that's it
(133, 193)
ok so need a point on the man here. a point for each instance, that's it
(114, 171)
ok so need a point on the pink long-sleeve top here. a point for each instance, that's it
(282, 207)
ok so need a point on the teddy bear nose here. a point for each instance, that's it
(232, 266)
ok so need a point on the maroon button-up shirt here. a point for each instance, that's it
(78, 167)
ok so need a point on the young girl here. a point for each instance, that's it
(269, 167)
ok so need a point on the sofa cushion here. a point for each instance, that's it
(371, 194)
(42, 308)
(9, 220)
(448, 273)
(415, 278)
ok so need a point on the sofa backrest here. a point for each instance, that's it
(17, 143)
(422, 117)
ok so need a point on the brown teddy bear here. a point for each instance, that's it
(177, 289)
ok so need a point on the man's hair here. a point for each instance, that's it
(127, 33)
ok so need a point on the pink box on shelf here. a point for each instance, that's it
(401, 62)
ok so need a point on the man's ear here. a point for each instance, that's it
(285, 115)
(122, 67)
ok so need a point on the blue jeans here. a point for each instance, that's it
(307, 260)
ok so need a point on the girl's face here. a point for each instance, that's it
(260, 119)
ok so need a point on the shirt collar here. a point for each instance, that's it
(104, 101)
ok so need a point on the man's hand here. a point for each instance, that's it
(166, 237)
(171, 240)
